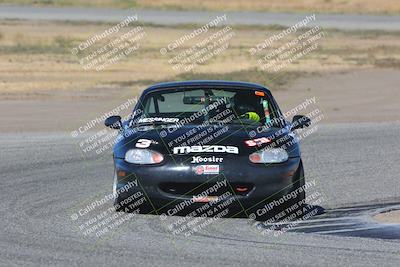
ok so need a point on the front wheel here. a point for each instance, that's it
(123, 203)
(117, 205)
(297, 202)
(299, 185)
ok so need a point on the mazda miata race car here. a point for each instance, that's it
(199, 147)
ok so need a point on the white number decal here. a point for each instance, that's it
(143, 143)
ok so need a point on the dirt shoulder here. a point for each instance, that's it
(357, 96)
(388, 217)
(369, 95)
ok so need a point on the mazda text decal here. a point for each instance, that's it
(206, 149)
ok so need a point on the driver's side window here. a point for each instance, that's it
(150, 107)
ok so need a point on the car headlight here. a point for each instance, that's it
(143, 156)
(269, 155)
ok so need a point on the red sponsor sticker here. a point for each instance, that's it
(199, 170)
(206, 169)
(258, 141)
(205, 199)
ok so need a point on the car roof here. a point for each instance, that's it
(206, 83)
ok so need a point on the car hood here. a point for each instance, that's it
(164, 139)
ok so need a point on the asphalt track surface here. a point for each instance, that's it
(171, 17)
(44, 177)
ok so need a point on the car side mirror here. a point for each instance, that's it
(114, 122)
(300, 121)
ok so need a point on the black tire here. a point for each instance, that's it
(300, 182)
(117, 206)
(296, 204)
(144, 208)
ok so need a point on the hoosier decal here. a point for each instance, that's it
(200, 159)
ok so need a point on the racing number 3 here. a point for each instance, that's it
(143, 143)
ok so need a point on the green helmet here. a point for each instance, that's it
(252, 116)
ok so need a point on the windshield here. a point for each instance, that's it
(197, 106)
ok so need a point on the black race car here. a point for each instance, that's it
(192, 146)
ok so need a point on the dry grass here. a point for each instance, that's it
(324, 6)
(35, 59)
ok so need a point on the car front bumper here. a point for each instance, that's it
(174, 188)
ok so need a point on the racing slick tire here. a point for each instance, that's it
(120, 207)
(297, 203)
(289, 207)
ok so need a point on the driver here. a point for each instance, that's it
(245, 105)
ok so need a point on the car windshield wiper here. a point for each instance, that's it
(245, 122)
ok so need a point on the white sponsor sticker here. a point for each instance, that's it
(206, 169)
(158, 119)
